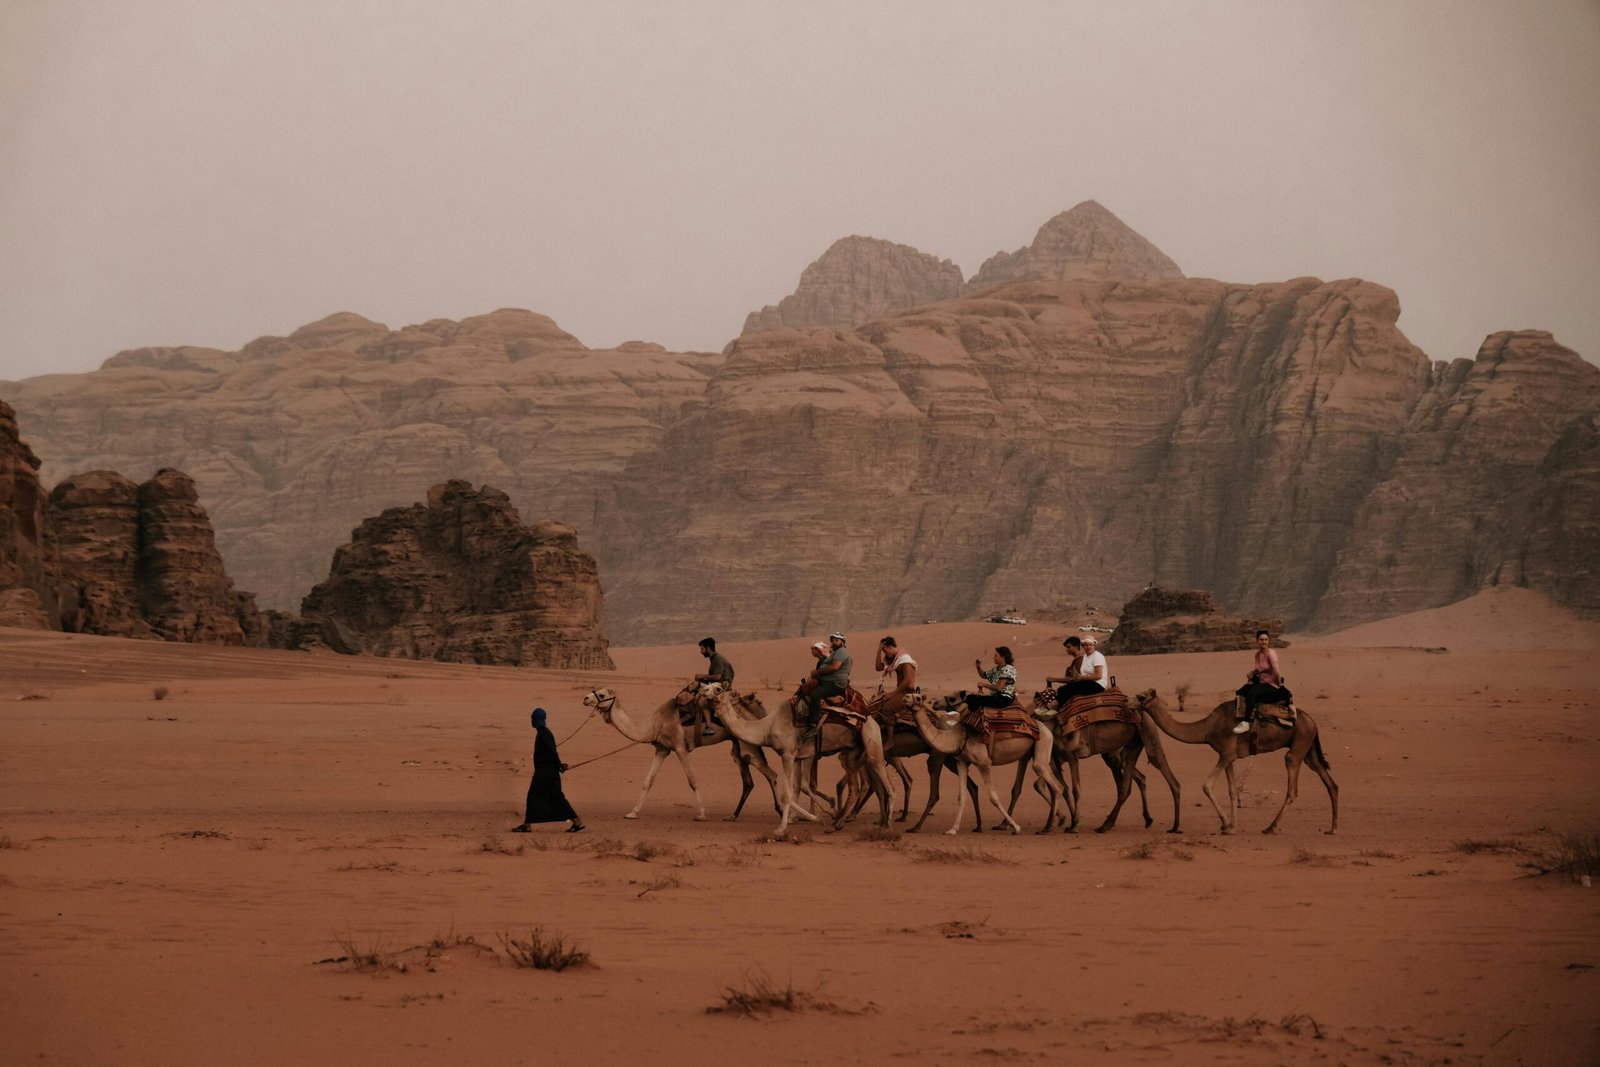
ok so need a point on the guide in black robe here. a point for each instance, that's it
(546, 801)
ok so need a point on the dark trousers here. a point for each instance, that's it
(988, 700)
(1083, 687)
(822, 689)
(1258, 693)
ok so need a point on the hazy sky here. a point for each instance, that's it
(207, 172)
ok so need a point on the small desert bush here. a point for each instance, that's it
(970, 854)
(499, 848)
(1473, 846)
(160, 692)
(1307, 858)
(1149, 850)
(670, 881)
(759, 994)
(542, 952)
(371, 956)
(879, 835)
(1574, 855)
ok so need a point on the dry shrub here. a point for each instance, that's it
(1308, 858)
(374, 956)
(160, 692)
(1473, 846)
(970, 854)
(670, 881)
(542, 952)
(499, 848)
(880, 835)
(386, 866)
(215, 834)
(1574, 855)
(32, 695)
(760, 995)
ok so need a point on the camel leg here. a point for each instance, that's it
(746, 782)
(994, 797)
(1234, 793)
(899, 766)
(758, 758)
(1207, 788)
(791, 804)
(1124, 781)
(649, 780)
(1016, 787)
(963, 771)
(878, 776)
(1150, 741)
(1071, 826)
(935, 768)
(1138, 780)
(1048, 784)
(1319, 763)
(1291, 764)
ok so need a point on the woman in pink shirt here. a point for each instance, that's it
(1264, 686)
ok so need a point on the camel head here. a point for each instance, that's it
(601, 700)
(1146, 697)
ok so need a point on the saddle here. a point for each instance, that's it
(1281, 714)
(849, 710)
(1108, 705)
(998, 724)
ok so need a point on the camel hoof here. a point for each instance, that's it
(701, 817)
(729, 818)
(899, 818)
(1270, 829)
(1330, 833)
(1149, 823)
(631, 815)
(1101, 829)
(950, 833)
(1174, 830)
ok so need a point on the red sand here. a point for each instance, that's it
(173, 871)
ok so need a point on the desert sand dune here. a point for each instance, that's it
(175, 872)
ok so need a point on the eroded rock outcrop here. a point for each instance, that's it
(856, 280)
(24, 552)
(461, 579)
(1086, 243)
(1184, 620)
(141, 561)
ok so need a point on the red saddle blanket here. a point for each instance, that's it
(1109, 705)
(849, 710)
(993, 724)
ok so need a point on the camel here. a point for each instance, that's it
(1119, 744)
(662, 730)
(758, 728)
(971, 751)
(1302, 744)
(901, 743)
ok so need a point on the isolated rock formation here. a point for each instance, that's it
(24, 561)
(141, 561)
(1184, 620)
(1085, 244)
(859, 279)
(460, 579)
(1042, 442)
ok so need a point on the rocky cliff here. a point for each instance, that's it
(461, 579)
(141, 561)
(24, 551)
(1085, 243)
(859, 279)
(1036, 443)
(1184, 620)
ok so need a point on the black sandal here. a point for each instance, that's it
(523, 829)
(578, 828)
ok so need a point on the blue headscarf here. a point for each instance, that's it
(538, 716)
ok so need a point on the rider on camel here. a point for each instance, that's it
(1263, 686)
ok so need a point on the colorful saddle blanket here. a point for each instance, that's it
(997, 724)
(1109, 705)
(850, 710)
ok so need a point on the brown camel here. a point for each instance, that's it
(952, 738)
(662, 730)
(756, 727)
(1119, 744)
(1302, 744)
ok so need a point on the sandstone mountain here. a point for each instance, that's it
(461, 579)
(1041, 442)
(1086, 243)
(859, 279)
(1183, 620)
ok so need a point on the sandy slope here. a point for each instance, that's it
(176, 869)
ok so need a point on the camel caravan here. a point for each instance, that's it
(1081, 715)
